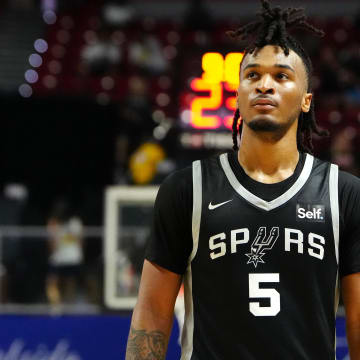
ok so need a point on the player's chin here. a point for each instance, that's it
(264, 123)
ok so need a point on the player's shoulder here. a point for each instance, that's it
(349, 197)
(177, 185)
(184, 175)
(182, 179)
(179, 178)
(318, 163)
(346, 181)
(349, 183)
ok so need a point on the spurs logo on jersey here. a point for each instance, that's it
(262, 244)
(294, 240)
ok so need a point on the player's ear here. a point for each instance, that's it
(237, 100)
(306, 102)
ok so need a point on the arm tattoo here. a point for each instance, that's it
(144, 345)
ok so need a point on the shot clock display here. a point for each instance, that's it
(211, 98)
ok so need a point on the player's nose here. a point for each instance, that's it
(265, 85)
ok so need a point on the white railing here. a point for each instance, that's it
(41, 231)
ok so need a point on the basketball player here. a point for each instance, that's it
(262, 235)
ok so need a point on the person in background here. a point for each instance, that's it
(100, 57)
(117, 13)
(144, 163)
(146, 55)
(343, 151)
(13, 201)
(66, 254)
(134, 119)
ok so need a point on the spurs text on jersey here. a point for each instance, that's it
(264, 240)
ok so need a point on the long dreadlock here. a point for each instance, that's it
(271, 29)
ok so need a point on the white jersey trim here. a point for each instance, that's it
(334, 205)
(188, 331)
(255, 200)
(197, 204)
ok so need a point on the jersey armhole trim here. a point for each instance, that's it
(187, 342)
(197, 205)
(334, 205)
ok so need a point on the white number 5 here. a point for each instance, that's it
(256, 292)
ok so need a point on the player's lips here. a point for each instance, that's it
(264, 103)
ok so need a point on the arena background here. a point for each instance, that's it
(100, 95)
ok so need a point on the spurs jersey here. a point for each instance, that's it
(260, 261)
(262, 271)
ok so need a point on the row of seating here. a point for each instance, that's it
(60, 71)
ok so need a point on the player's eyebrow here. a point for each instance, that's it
(283, 66)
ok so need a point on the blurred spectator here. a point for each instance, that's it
(144, 162)
(149, 164)
(352, 90)
(66, 254)
(329, 70)
(102, 56)
(146, 55)
(135, 122)
(350, 58)
(117, 13)
(12, 207)
(343, 151)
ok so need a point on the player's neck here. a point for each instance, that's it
(265, 161)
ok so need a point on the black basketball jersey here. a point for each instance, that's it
(262, 278)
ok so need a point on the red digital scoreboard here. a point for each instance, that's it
(210, 100)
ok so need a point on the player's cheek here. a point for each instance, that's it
(243, 102)
(292, 97)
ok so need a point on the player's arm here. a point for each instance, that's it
(166, 255)
(349, 257)
(153, 314)
(351, 296)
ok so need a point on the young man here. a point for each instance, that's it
(262, 235)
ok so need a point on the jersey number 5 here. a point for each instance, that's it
(256, 292)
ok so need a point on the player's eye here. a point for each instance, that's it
(251, 75)
(282, 76)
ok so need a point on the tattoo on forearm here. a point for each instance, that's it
(146, 345)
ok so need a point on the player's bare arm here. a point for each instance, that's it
(144, 344)
(351, 296)
(153, 314)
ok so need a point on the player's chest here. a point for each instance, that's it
(234, 231)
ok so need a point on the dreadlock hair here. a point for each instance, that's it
(271, 29)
